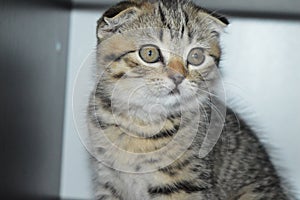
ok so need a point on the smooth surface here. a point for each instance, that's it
(33, 54)
(269, 6)
(262, 77)
(75, 179)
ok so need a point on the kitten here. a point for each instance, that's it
(158, 127)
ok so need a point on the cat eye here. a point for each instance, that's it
(196, 57)
(150, 54)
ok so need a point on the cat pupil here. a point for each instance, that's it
(150, 53)
(195, 55)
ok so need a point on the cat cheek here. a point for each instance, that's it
(158, 86)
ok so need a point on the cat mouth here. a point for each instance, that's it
(174, 91)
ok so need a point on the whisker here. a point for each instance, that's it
(211, 94)
(214, 107)
(204, 91)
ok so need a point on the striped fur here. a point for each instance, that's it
(146, 131)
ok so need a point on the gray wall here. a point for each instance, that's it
(270, 8)
(34, 41)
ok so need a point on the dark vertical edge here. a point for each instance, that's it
(33, 78)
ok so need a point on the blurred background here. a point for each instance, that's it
(43, 44)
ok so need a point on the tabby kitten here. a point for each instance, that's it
(158, 127)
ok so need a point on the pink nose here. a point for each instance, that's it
(176, 77)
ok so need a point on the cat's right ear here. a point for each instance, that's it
(114, 17)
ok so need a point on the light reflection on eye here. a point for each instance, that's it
(196, 56)
(150, 54)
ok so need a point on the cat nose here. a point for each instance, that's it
(176, 70)
(176, 78)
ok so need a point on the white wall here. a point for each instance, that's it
(75, 174)
(261, 65)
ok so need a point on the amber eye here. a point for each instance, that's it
(150, 54)
(196, 57)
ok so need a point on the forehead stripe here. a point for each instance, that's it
(115, 57)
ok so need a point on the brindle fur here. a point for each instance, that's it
(238, 167)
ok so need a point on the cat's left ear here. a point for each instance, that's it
(113, 18)
(220, 21)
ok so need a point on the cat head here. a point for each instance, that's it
(158, 51)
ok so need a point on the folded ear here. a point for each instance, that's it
(113, 18)
(220, 21)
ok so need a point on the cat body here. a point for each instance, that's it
(154, 110)
(237, 168)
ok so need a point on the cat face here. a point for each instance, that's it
(158, 53)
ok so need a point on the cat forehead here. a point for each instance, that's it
(173, 27)
(176, 17)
